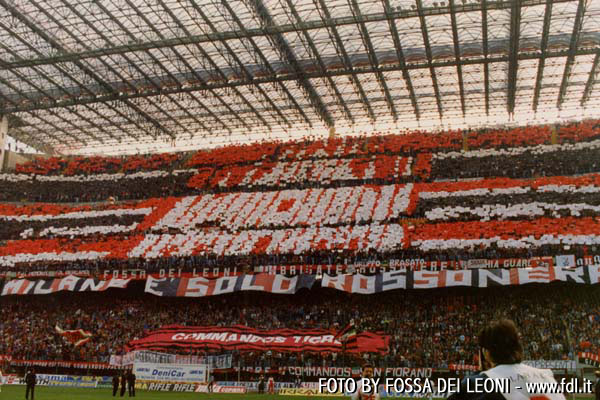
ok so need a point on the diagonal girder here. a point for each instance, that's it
(216, 68)
(366, 38)
(41, 103)
(25, 79)
(513, 60)
(46, 92)
(288, 54)
(340, 48)
(425, 34)
(542, 63)
(90, 94)
(266, 62)
(461, 86)
(143, 73)
(233, 55)
(190, 68)
(50, 123)
(581, 7)
(87, 71)
(486, 66)
(134, 65)
(299, 26)
(402, 60)
(590, 81)
(322, 66)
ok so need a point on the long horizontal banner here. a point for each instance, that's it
(365, 267)
(368, 284)
(347, 372)
(351, 283)
(60, 364)
(244, 338)
(200, 287)
(70, 283)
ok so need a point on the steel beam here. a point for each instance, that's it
(513, 57)
(581, 7)
(300, 26)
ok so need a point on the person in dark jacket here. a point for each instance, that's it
(123, 383)
(115, 383)
(131, 383)
(30, 381)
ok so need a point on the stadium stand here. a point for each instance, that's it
(526, 194)
(426, 331)
(381, 203)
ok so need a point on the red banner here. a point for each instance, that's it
(244, 338)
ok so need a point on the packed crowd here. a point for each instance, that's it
(408, 144)
(426, 331)
(443, 221)
(354, 161)
(101, 165)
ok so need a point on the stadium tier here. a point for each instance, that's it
(434, 331)
(340, 202)
(491, 219)
(254, 199)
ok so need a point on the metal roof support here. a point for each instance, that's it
(542, 63)
(214, 66)
(34, 27)
(486, 65)
(266, 62)
(238, 61)
(42, 104)
(401, 60)
(62, 118)
(590, 81)
(58, 129)
(581, 7)
(513, 62)
(26, 138)
(188, 66)
(461, 85)
(25, 79)
(75, 102)
(425, 34)
(111, 69)
(287, 53)
(342, 49)
(366, 38)
(314, 50)
(262, 31)
(143, 73)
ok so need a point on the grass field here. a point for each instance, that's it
(57, 393)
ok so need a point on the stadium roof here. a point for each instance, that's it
(111, 75)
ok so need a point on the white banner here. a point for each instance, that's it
(552, 364)
(152, 357)
(170, 373)
(565, 260)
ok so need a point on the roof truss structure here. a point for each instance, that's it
(79, 76)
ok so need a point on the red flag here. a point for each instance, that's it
(76, 337)
(347, 335)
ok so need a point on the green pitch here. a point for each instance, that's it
(57, 393)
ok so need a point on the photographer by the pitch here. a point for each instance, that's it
(500, 357)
